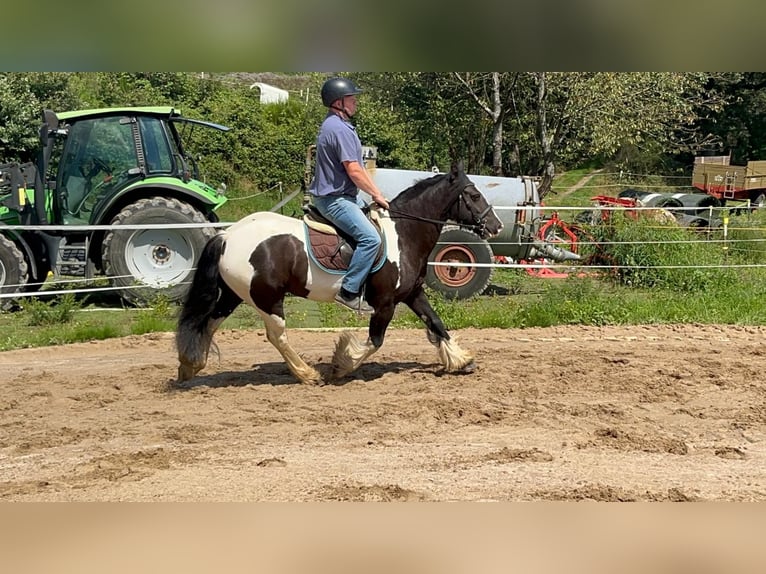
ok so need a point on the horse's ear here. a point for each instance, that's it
(456, 169)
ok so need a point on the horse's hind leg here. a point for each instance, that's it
(277, 336)
(194, 344)
(451, 355)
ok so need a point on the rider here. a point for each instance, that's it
(338, 177)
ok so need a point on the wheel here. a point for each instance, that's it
(459, 246)
(759, 202)
(14, 271)
(162, 260)
(39, 268)
(590, 217)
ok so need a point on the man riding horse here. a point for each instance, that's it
(338, 177)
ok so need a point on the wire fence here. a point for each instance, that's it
(721, 236)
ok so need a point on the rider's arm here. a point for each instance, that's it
(363, 181)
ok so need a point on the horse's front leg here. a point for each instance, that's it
(350, 352)
(450, 354)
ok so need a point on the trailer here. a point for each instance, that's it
(716, 176)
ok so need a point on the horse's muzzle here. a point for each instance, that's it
(490, 229)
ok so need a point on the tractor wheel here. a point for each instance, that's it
(459, 246)
(14, 271)
(759, 201)
(153, 262)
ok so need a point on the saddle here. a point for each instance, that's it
(331, 248)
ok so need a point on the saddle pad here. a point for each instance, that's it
(324, 249)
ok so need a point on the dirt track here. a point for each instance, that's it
(636, 413)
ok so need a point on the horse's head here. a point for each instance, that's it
(470, 207)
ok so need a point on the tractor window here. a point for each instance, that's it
(97, 153)
(112, 141)
(156, 149)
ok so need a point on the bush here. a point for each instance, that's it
(647, 253)
(56, 312)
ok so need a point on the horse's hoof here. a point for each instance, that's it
(469, 368)
(311, 378)
(317, 382)
(186, 372)
(337, 374)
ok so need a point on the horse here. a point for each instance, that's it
(265, 256)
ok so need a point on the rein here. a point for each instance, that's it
(478, 226)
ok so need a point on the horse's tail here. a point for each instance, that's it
(193, 335)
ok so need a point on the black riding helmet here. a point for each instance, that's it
(336, 88)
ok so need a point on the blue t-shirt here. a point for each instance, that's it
(337, 142)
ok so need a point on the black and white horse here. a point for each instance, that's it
(264, 256)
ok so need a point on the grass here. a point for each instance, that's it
(513, 300)
(516, 300)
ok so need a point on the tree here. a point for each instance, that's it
(593, 115)
(740, 127)
(491, 92)
(19, 114)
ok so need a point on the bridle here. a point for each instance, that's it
(479, 218)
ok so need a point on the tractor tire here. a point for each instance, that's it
(14, 272)
(459, 246)
(149, 263)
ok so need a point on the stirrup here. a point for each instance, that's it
(356, 304)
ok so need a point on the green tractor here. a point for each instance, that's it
(115, 167)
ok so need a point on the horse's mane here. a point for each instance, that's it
(420, 187)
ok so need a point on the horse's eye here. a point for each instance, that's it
(475, 196)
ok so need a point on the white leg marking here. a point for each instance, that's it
(275, 332)
(349, 354)
(453, 357)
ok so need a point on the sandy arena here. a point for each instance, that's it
(657, 413)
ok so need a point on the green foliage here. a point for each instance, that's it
(159, 316)
(333, 315)
(148, 322)
(88, 332)
(645, 252)
(19, 115)
(267, 143)
(740, 127)
(535, 302)
(417, 119)
(55, 312)
(574, 301)
(746, 238)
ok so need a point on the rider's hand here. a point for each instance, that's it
(381, 201)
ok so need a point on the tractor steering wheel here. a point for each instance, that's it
(92, 166)
(96, 165)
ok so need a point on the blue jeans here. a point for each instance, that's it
(346, 214)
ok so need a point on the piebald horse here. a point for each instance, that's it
(264, 256)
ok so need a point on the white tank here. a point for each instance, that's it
(505, 194)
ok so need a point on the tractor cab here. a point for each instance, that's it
(98, 153)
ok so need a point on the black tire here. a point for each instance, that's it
(459, 246)
(14, 272)
(590, 217)
(153, 262)
(759, 201)
(40, 267)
